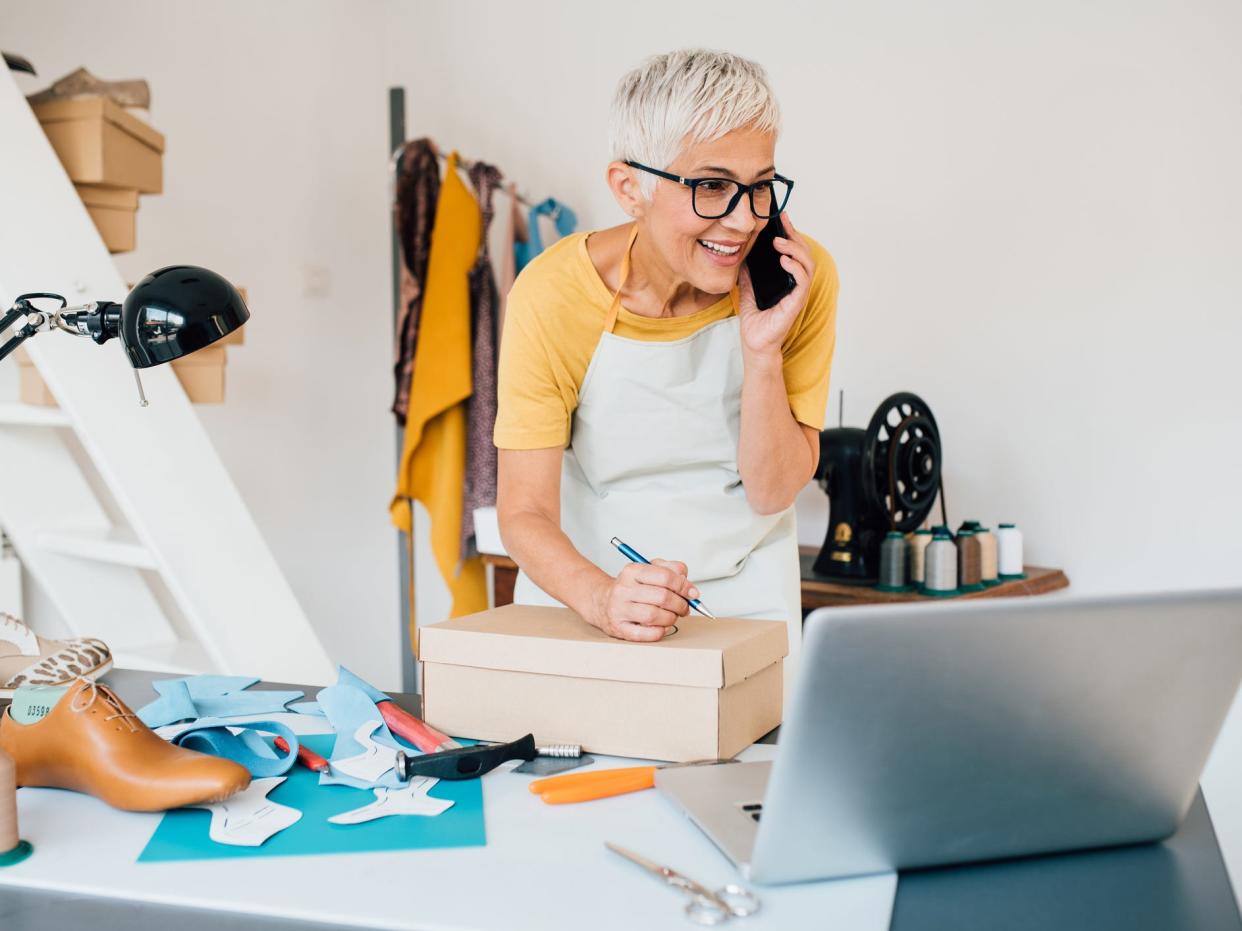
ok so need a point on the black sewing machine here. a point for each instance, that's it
(879, 479)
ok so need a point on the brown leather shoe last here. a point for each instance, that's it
(91, 742)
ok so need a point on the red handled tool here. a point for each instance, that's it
(415, 730)
(306, 756)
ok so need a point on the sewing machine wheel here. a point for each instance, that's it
(902, 460)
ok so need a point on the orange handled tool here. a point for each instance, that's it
(603, 783)
(584, 787)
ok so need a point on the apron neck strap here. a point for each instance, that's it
(611, 320)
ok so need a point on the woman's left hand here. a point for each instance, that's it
(763, 331)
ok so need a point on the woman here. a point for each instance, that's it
(641, 393)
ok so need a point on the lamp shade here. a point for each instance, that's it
(178, 310)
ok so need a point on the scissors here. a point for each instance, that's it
(706, 906)
(603, 783)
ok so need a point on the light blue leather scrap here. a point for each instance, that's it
(212, 735)
(345, 677)
(347, 708)
(211, 696)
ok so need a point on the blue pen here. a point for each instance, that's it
(634, 556)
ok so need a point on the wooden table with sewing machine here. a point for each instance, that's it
(821, 592)
(888, 476)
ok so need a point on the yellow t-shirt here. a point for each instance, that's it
(556, 312)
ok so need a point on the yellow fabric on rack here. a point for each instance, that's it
(433, 455)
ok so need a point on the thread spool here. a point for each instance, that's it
(893, 563)
(988, 570)
(941, 565)
(972, 525)
(1009, 552)
(12, 848)
(969, 560)
(917, 553)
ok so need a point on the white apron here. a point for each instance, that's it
(652, 459)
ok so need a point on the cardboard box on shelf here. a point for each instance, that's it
(705, 692)
(238, 336)
(98, 142)
(114, 212)
(31, 389)
(201, 375)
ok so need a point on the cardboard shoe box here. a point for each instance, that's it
(705, 692)
(115, 214)
(98, 142)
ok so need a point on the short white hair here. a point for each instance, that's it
(683, 98)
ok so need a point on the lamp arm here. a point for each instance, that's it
(16, 340)
(35, 320)
(100, 321)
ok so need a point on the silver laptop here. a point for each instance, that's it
(945, 733)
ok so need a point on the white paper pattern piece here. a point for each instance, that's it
(372, 762)
(249, 818)
(408, 800)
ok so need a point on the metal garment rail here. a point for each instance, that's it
(405, 544)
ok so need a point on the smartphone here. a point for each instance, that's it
(770, 281)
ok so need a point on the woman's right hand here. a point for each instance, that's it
(644, 601)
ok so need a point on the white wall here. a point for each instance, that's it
(1036, 211)
(276, 121)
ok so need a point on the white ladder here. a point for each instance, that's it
(125, 517)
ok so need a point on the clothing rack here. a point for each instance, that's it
(462, 162)
(405, 546)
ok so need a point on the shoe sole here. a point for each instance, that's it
(101, 670)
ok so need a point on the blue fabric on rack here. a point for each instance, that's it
(564, 219)
(210, 696)
(212, 735)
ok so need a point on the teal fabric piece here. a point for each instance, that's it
(562, 217)
(348, 708)
(210, 696)
(249, 748)
(182, 834)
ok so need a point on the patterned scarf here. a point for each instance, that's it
(418, 188)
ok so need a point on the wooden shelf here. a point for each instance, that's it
(821, 592)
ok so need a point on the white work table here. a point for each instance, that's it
(544, 867)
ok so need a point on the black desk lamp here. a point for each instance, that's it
(170, 313)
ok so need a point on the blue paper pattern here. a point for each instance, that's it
(182, 834)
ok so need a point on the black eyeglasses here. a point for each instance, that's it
(714, 198)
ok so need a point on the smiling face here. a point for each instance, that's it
(708, 253)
